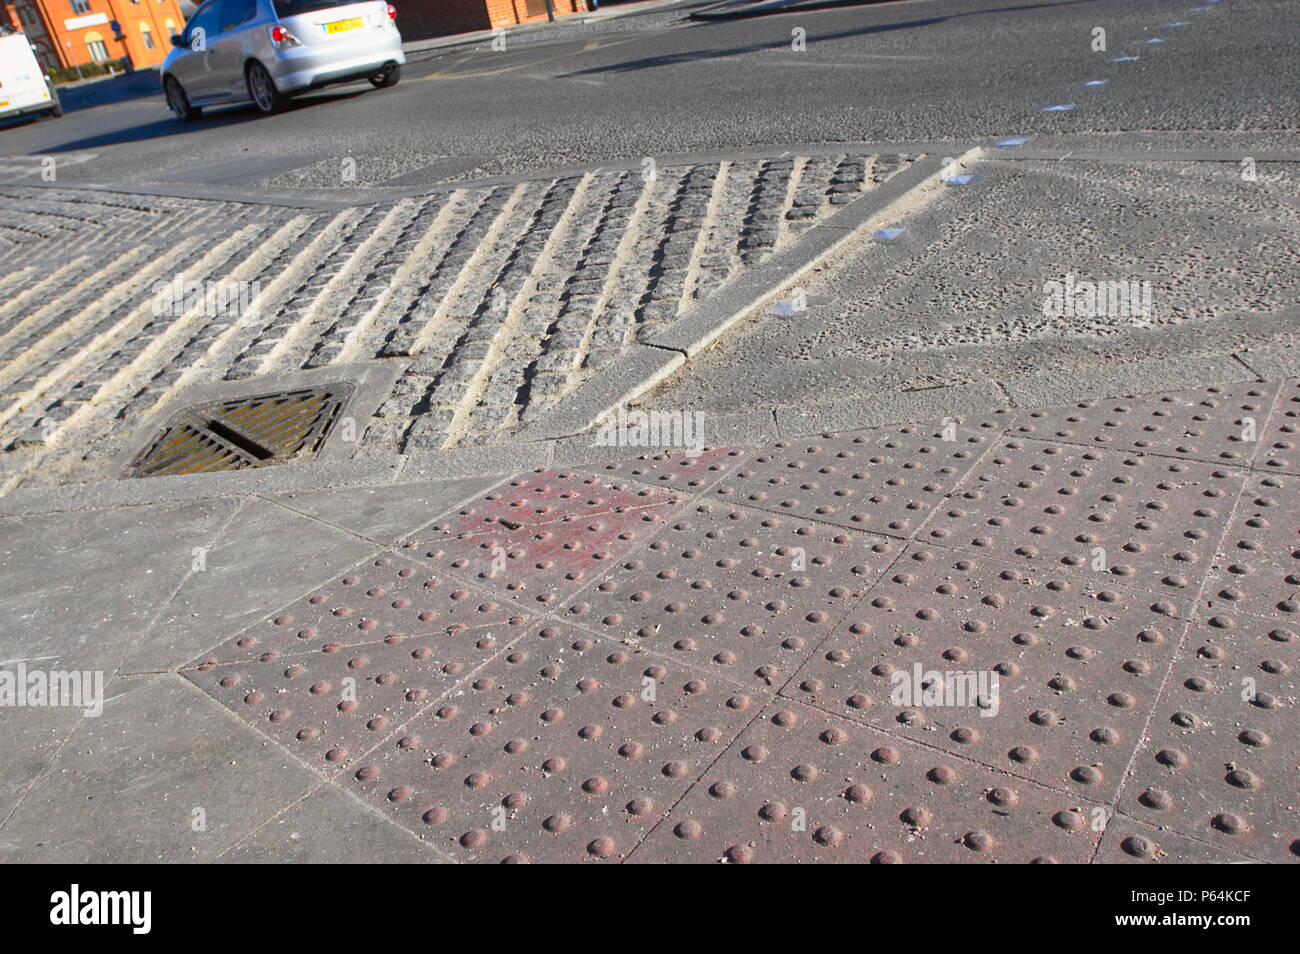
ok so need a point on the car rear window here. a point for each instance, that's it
(292, 8)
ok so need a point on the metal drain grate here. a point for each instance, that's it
(247, 432)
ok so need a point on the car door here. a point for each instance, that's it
(238, 19)
(195, 68)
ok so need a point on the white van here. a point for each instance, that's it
(24, 87)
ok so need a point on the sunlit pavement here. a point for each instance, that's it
(1066, 633)
(958, 573)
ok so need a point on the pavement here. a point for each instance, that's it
(1062, 633)
(819, 461)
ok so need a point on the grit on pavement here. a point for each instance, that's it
(1066, 633)
(886, 554)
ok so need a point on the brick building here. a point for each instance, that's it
(77, 32)
(424, 18)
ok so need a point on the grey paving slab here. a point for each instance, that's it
(29, 737)
(266, 557)
(458, 462)
(311, 475)
(1273, 362)
(1142, 377)
(386, 513)
(82, 588)
(133, 784)
(930, 404)
(330, 827)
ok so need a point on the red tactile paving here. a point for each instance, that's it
(1222, 760)
(1258, 588)
(679, 471)
(741, 592)
(554, 751)
(1265, 526)
(1280, 447)
(385, 596)
(1145, 699)
(885, 480)
(1128, 841)
(800, 785)
(546, 563)
(328, 708)
(1036, 673)
(548, 497)
(1158, 520)
(1222, 424)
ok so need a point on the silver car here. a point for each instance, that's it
(232, 51)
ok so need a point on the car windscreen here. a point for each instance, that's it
(292, 8)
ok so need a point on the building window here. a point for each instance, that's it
(98, 51)
(80, 6)
(147, 35)
(171, 27)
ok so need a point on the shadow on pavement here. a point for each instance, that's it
(116, 89)
(214, 117)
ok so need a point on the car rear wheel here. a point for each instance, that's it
(386, 77)
(178, 102)
(262, 91)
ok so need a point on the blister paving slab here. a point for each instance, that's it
(1280, 444)
(1265, 527)
(1039, 675)
(742, 592)
(330, 707)
(1222, 760)
(544, 564)
(564, 748)
(801, 785)
(1220, 424)
(386, 597)
(1153, 522)
(885, 480)
(680, 471)
(546, 497)
(1262, 589)
(1128, 841)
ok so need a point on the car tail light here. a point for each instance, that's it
(392, 12)
(281, 38)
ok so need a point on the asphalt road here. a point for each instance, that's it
(661, 84)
